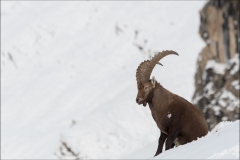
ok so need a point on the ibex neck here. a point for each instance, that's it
(151, 94)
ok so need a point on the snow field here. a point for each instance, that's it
(68, 72)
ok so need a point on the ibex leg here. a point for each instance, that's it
(161, 141)
(170, 139)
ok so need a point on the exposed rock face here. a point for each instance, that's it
(217, 76)
(66, 152)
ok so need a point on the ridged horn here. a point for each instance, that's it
(145, 68)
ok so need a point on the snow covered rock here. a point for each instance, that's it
(217, 75)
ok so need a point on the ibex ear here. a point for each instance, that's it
(153, 81)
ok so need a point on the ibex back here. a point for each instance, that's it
(178, 120)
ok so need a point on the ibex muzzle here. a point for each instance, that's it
(144, 91)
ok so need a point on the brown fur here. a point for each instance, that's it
(186, 123)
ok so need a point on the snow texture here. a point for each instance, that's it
(169, 115)
(235, 60)
(235, 84)
(217, 67)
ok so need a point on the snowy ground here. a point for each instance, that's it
(221, 143)
(68, 73)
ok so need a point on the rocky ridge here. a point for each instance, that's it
(217, 76)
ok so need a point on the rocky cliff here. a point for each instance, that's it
(217, 76)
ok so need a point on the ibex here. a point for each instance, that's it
(178, 120)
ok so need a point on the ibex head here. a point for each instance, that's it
(144, 83)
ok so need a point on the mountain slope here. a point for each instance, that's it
(68, 73)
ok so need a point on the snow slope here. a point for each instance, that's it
(221, 143)
(68, 73)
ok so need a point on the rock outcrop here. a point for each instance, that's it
(217, 76)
